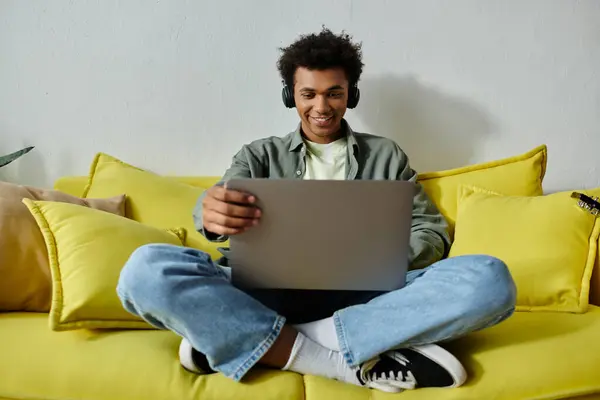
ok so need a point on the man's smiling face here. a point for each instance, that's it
(321, 100)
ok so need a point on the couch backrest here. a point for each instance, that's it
(75, 186)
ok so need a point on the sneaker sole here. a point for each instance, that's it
(445, 359)
(185, 357)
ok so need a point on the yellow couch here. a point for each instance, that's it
(532, 355)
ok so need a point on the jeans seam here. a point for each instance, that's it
(261, 349)
(339, 328)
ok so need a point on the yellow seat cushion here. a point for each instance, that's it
(521, 175)
(37, 363)
(528, 356)
(87, 249)
(548, 242)
(152, 199)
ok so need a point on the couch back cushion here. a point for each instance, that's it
(441, 186)
(152, 199)
(548, 242)
(520, 175)
(87, 250)
(25, 282)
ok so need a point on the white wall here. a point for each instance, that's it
(178, 86)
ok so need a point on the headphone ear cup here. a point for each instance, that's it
(288, 97)
(353, 97)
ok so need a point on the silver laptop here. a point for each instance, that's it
(325, 235)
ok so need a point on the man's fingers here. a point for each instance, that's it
(222, 230)
(234, 210)
(232, 196)
(228, 221)
(229, 212)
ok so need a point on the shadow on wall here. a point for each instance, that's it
(27, 170)
(437, 131)
(31, 169)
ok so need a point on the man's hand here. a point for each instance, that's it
(228, 212)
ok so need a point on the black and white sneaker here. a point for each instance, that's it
(192, 360)
(411, 368)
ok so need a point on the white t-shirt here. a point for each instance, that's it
(326, 161)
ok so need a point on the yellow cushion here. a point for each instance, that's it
(520, 175)
(37, 363)
(528, 356)
(75, 185)
(151, 195)
(548, 243)
(152, 199)
(87, 249)
(25, 283)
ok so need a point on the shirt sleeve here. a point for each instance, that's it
(239, 168)
(429, 239)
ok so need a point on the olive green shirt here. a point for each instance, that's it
(369, 157)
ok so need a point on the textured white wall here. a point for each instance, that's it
(178, 86)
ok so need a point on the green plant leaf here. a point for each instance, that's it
(5, 160)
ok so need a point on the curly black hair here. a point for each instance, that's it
(319, 52)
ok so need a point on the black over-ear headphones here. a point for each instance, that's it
(287, 95)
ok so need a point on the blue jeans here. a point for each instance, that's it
(183, 290)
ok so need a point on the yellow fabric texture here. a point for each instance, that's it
(25, 282)
(87, 249)
(152, 199)
(528, 356)
(521, 175)
(441, 186)
(37, 363)
(151, 195)
(548, 242)
(75, 185)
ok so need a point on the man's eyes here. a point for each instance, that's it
(335, 95)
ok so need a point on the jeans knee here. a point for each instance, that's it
(496, 287)
(137, 273)
(155, 271)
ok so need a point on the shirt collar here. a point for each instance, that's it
(297, 140)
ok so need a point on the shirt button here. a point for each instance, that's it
(298, 172)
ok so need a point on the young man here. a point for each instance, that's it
(382, 341)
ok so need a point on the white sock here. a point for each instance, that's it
(322, 332)
(310, 358)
